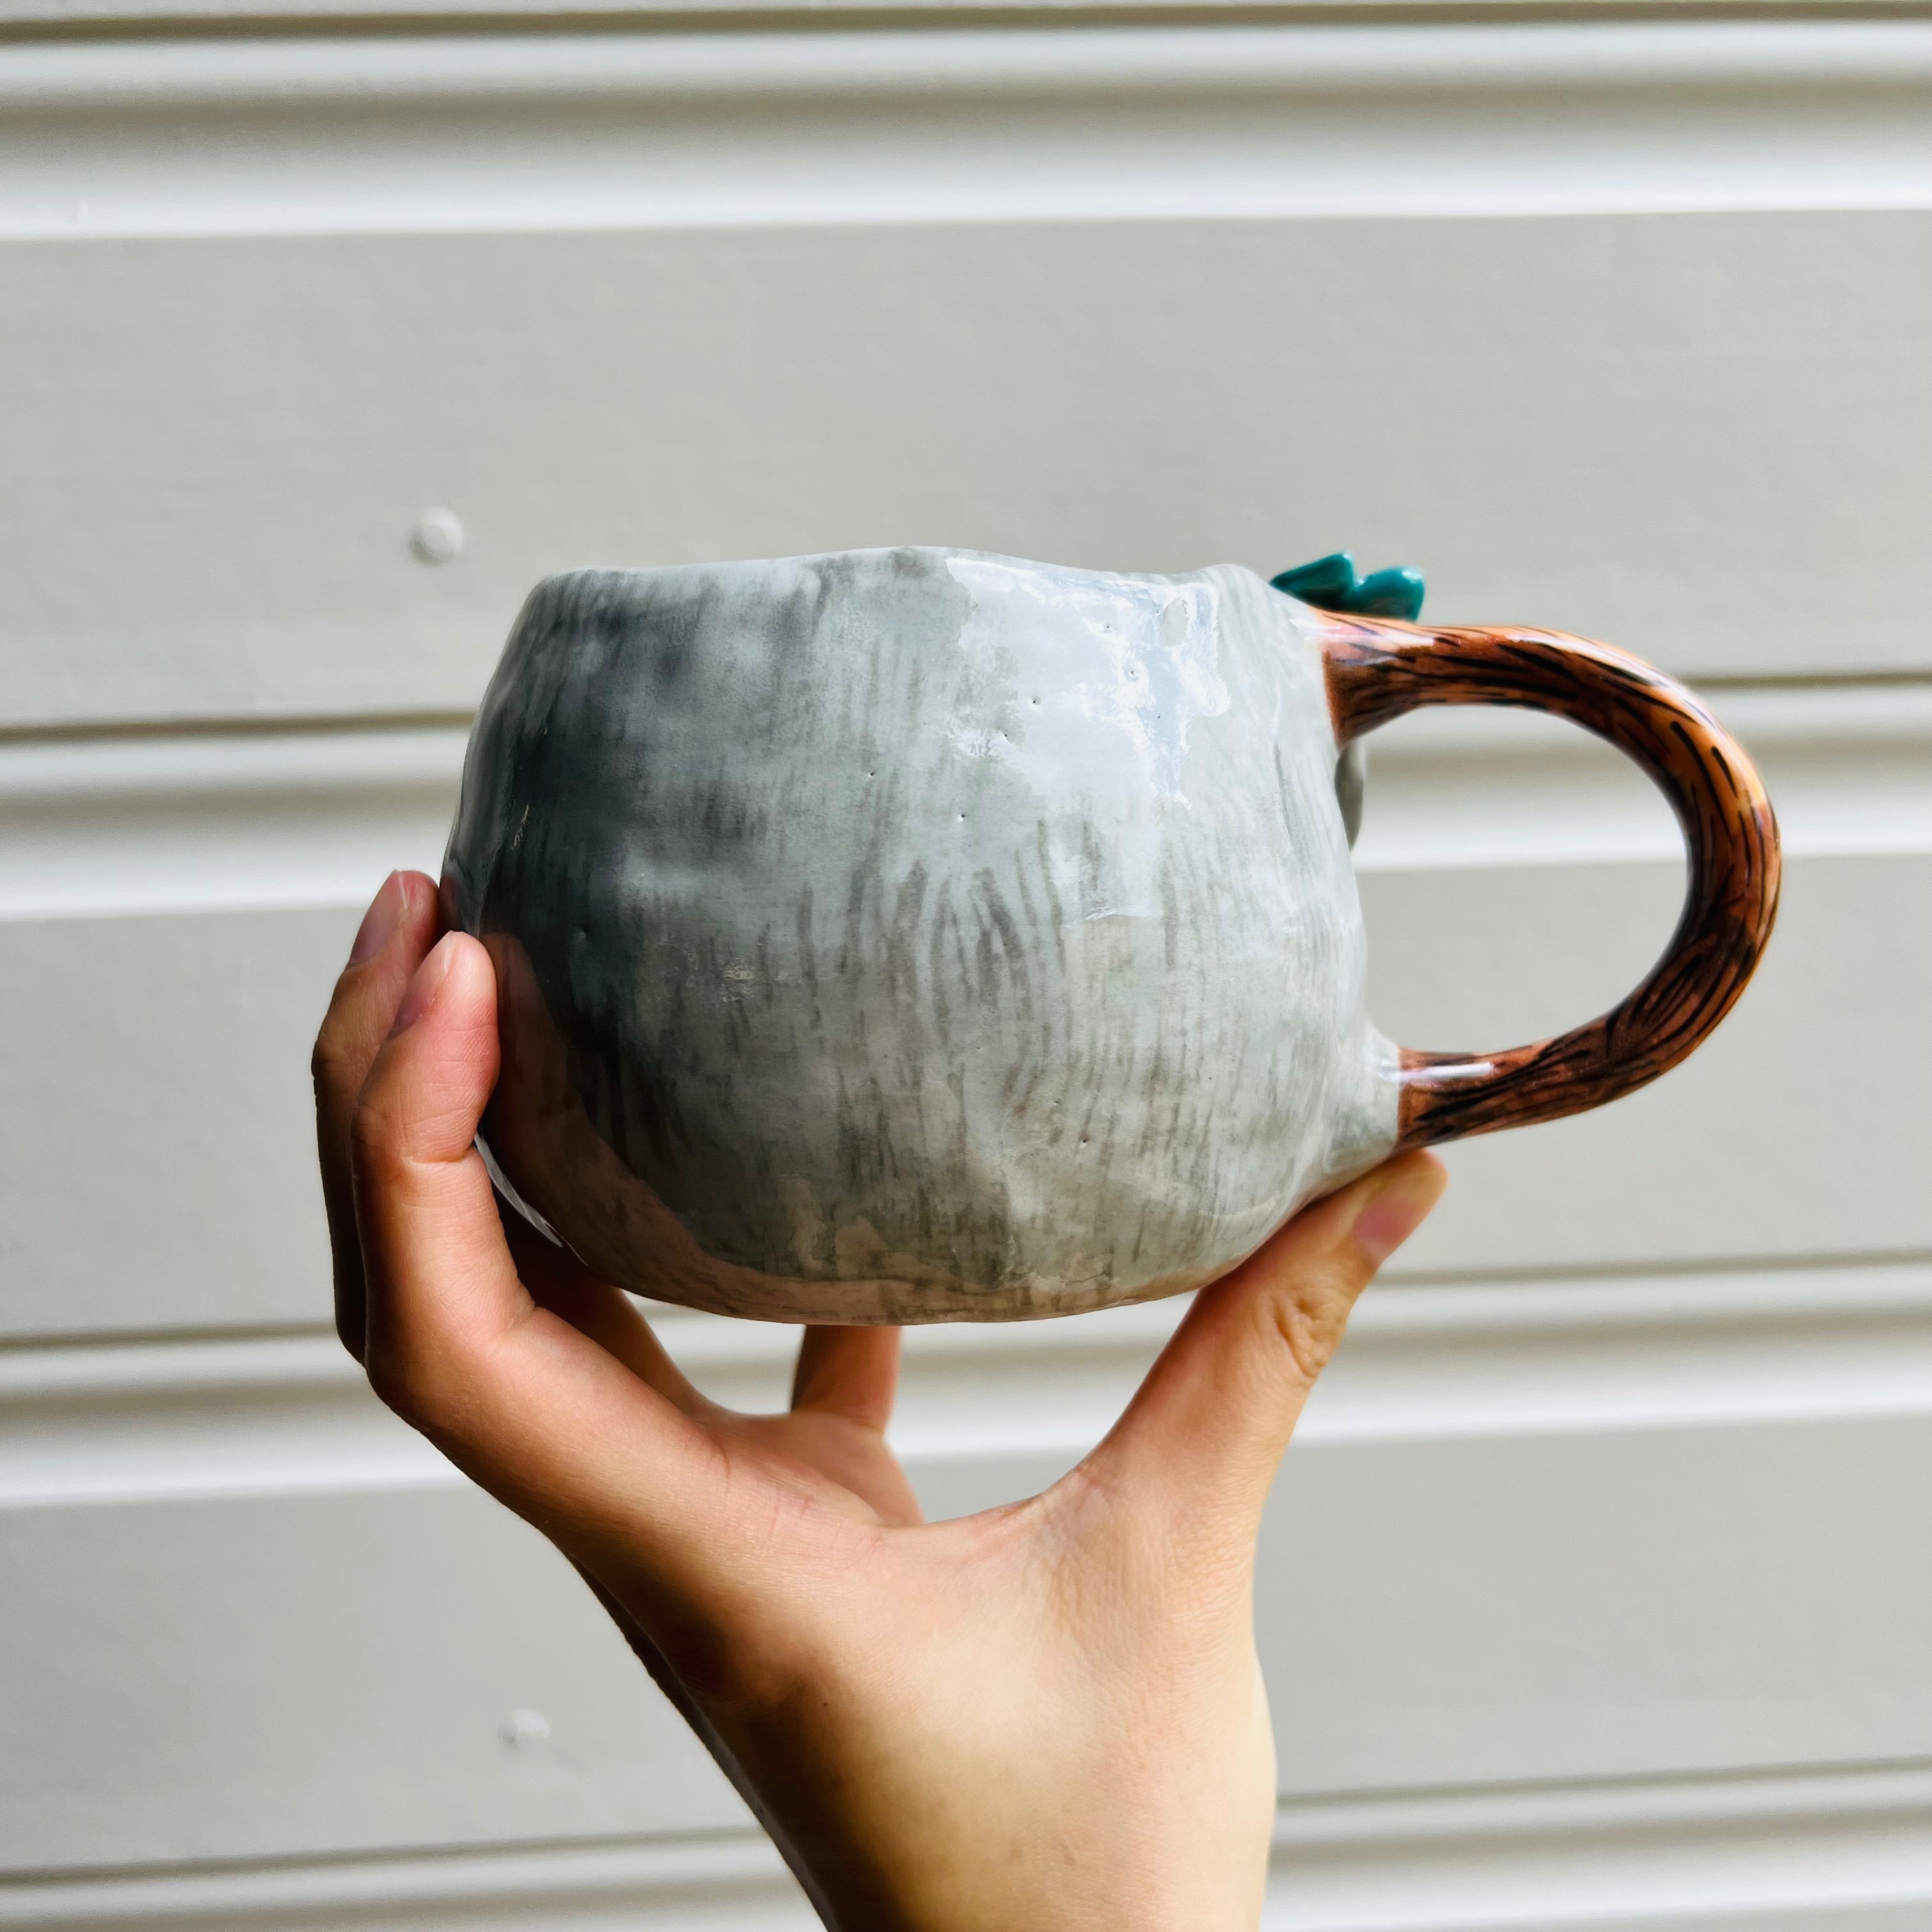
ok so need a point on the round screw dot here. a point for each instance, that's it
(524, 1730)
(437, 537)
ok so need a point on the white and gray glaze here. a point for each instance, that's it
(909, 935)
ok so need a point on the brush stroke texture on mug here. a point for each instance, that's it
(917, 934)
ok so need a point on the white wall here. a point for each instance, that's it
(1613, 1520)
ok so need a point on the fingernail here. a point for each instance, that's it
(386, 910)
(1399, 1207)
(427, 985)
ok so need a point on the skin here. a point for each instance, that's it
(1049, 1714)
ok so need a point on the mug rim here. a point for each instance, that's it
(874, 552)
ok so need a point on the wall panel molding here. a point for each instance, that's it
(573, 130)
(51, 18)
(1648, 441)
(221, 820)
(1794, 1852)
(1621, 1604)
(176, 1421)
(1826, 1850)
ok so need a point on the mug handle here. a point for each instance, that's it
(1377, 668)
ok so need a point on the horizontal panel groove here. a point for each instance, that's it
(48, 19)
(575, 131)
(214, 820)
(140, 730)
(1814, 55)
(1631, 1851)
(1849, 771)
(288, 1414)
(169, 1362)
(1371, 1817)
(1831, 1844)
(643, 1871)
(223, 821)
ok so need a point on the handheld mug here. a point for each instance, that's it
(917, 934)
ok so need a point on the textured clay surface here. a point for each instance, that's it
(917, 934)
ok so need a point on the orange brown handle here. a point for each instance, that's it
(1378, 668)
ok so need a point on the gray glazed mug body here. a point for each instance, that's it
(917, 934)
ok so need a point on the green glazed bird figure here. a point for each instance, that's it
(1330, 583)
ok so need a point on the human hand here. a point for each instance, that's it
(1048, 1715)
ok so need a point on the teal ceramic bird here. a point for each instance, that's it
(1330, 583)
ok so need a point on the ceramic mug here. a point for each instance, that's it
(909, 935)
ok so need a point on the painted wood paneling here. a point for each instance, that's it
(319, 1673)
(280, 133)
(1593, 1593)
(157, 1144)
(1485, 1483)
(1802, 1128)
(188, 1419)
(218, 449)
(1842, 1851)
(125, 15)
(1463, 1607)
(1499, 1613)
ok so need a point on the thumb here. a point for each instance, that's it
(534, 1409)
(1204, 1435)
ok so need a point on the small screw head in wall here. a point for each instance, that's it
(524, 1730)
(437, 536)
